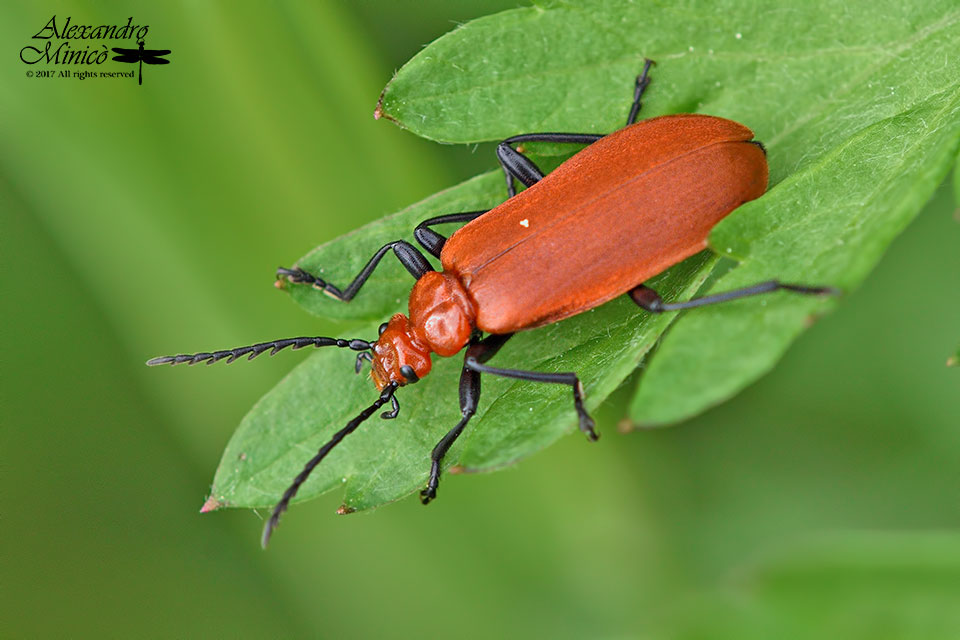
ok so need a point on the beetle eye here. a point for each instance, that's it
(383, 327)
(409, 374)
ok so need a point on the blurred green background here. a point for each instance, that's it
(137, 221)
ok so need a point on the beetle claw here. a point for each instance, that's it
(586, 425)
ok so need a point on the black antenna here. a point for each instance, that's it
(256, 349)
(385, 396)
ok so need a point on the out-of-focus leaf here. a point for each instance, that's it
(956, 183)
(829, 223)
(850, 585)
(384, 461)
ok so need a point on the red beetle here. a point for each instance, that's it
(546, 254)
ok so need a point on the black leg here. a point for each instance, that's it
(648, 299)
(518, 166)
(394, 409)
(360, 359)
(642, 82)
(431, 240)
(480, 350)
(586, 422)
(409, 256)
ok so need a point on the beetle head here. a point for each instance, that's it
(397, 349)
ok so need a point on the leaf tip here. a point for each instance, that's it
(380, 111)
(457, 468)
(212, 504)
(343, 510)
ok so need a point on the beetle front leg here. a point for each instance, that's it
(479, 350)
(408, 255)
(649, 300)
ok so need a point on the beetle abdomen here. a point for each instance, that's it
(616, 214)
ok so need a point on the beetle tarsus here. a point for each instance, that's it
(427, 495)
(430, 491)
(813, 291)
(394, 409)
(361, 357)
(586, 422)
(299, 276)
(641, 84)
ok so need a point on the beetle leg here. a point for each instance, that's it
(518, 166)
(394, 409)
(586, 422)
(642, 83)
(365, 355)
(409, 256)
(479, 350)
(648, 299)
(431, 240)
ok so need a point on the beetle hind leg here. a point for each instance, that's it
(586, 423)
(649, 300)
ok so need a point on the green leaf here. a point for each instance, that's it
(809, 95)
(806, 92)
(854, 202)
(384, 461)
(570, 66)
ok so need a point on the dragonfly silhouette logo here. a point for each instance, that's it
(139, 56)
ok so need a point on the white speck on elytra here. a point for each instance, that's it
(524, 223)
